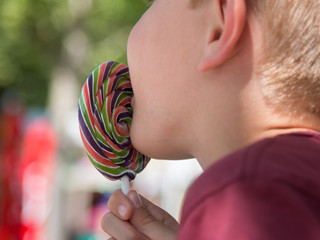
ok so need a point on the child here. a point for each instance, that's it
(235, 84)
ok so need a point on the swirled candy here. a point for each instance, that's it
(105, 116)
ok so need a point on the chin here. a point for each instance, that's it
(157, 139)
(144, 143)
(156, 147)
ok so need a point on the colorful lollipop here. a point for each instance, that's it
(105, 116)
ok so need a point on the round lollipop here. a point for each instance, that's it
(105, 116)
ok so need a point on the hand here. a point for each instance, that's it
(133, 217)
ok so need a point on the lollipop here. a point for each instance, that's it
(105, 116)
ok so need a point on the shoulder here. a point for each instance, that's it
(271, 173)
(252, 210)
(290, 158)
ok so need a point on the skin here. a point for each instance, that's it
(196, 95)
(134, 217)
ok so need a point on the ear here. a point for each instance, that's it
(223, 37)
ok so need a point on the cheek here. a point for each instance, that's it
(159, 85)
(132, 46)
(136, 53)
(142, 61)
(138, 38)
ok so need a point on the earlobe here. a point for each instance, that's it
(223, 39)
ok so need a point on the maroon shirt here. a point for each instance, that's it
(269, 190)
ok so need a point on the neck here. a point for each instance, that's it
(246, 119)
(235, 114)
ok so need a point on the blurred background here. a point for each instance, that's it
(48, 188)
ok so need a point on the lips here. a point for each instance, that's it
(133, 101)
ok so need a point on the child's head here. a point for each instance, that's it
(195, 65)
(290, 64)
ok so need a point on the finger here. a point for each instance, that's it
(146, 223)
(120, 205)
(159, 214)
(119, 229)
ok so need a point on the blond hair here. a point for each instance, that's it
(290, 62)
(290, 65)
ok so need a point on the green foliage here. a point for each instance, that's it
(108, 25)
(34, 35)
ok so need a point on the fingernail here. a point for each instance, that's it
(135, 199)
(122, 210)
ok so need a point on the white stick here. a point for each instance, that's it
(125, 185)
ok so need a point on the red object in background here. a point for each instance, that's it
(27, 169)
(10, 197)
(36, 175)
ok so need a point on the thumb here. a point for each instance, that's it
(143, 220)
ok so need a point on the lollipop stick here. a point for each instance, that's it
(125, 185)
